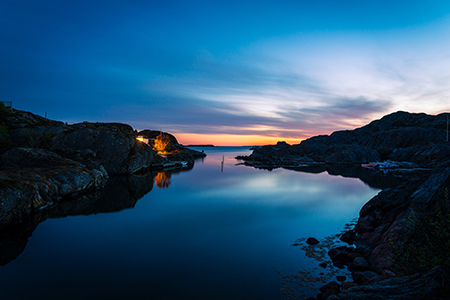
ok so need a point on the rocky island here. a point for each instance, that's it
(399, 248)
(44, 162)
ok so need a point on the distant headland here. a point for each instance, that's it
(200, 146)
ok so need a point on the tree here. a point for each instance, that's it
(163, 143)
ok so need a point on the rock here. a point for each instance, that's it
(180, 152)
(430, 285)
(346, 285)
(351, 154)
(387, 274)
(338, 255)
(364, 277)
(312, 241)
(114, 145)
(349, 237)
(351, 256)
(33, 179)
(418, 138)
(360, 263)
(323, 265)
(358, 249)
(329, 289)
(341, 278)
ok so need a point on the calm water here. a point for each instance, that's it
(211, 232)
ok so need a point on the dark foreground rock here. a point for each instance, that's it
(430, 285)
(33, 179)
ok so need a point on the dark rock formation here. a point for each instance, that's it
(49, 161)
(402, 136)
(116, 147)
(32, 179)
(431, 285)
(312, 241)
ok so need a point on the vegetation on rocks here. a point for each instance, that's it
(163, 144)
(427, 241)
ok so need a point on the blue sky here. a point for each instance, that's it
(226, 71)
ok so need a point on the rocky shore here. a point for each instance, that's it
(44, 163)
(399, 246)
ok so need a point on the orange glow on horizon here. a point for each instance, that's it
(231, 140)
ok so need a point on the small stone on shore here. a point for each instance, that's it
(312, 241)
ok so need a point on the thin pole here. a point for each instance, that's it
(447, 128)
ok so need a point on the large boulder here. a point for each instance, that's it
(115, 147)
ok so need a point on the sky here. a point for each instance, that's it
(226, 72)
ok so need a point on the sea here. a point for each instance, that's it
(220, 230)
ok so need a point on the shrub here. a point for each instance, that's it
(4, 113)
(163, 143)
(5, 140)
(36, 139)
(427, 243)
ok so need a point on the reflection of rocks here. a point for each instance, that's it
(371, 177)
(13, 241)
(121, 192)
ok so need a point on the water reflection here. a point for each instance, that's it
(162, 180)
(211, 235)
(370, 177)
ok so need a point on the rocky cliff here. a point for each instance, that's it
(401, 136)
(43, 162)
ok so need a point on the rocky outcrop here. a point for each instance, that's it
(49, 161)
(116, 147)
(385, 222)
(401, 136)
(33, 179)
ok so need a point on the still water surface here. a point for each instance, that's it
(213, 232)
